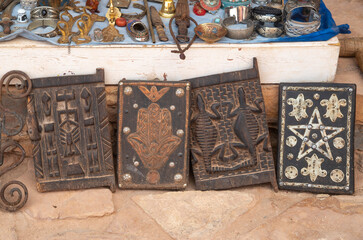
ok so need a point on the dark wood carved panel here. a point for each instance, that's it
(230, 140)
(153, 133)
(68, 123)
(316, 137)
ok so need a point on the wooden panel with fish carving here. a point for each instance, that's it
(153, 133)
(230, 139)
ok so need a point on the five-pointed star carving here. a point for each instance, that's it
(306, 141)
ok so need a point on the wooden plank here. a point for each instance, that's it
(271, 96)
(278, 62)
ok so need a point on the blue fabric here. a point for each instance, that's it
(328, 28)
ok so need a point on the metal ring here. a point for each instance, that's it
(138, 31)
(294, 4)
(274, 31)
(43, 23)
(20, 75)
(295, 28)
(44, 12)
(263, 10)
(238, 33)
(267, 17)
(241, 13)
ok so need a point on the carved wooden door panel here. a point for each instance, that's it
(316, 137)
(153, 133)
(230, 145)
(68, 123)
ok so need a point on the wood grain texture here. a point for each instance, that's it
(278, 62)
(269, 92)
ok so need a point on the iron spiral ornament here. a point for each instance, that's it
(13, 194)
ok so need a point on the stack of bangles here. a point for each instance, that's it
(44, 16)
(237, 21)
(269, 21)
(240, 33)
(308, 11)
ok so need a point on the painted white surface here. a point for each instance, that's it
(278, 62)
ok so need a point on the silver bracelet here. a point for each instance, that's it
(273, 30)
(267, 17)
(137, 31)
(238, 33)
(295, 28)
(290, 5)
(241, 13)
(44, 12)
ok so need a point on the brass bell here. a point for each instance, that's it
(167, 9)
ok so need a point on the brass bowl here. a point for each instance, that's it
(210, 32)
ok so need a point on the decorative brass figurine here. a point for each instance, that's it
(110, 33)
(6, 17)
(84, 25)
(112, 14)
(65, 26)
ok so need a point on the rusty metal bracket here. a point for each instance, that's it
(13, 194)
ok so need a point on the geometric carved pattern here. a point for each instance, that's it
(230, 145)
(153, 150)
(323, 150)
(72, 147)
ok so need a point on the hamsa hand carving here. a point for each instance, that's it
(153, 140)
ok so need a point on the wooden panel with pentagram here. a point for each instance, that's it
(316, 137)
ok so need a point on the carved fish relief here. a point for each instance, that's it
(205, 131)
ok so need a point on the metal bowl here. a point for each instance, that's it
(210, 32)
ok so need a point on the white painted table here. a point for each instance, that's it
(278, 62)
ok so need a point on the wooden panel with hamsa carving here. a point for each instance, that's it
(153, 133)
(316, 137)
(68, 125)
(230, 141)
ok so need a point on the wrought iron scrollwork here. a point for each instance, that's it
(13, 194)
